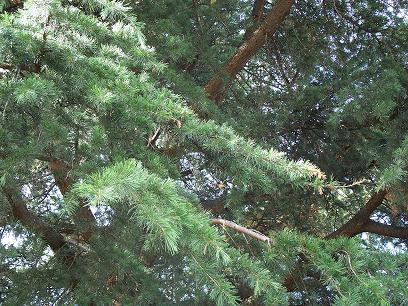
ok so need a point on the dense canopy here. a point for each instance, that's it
(203, 152)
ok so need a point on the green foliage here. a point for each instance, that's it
(102, 112)
(397, 171)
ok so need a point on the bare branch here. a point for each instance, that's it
(240, 229)
(385, 230)
(218, 85)
(356, 224)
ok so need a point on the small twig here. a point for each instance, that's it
(46, 193)
(4, 110)
(357, 183)
(241, 229)
(152, 140)
(349, 262)
(249, 246)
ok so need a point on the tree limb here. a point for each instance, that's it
(240, 229)
(356, 224)
(257, 15)
(218, 85)
(84, 216)
(359, 223)
(378, 228)
(31, 221)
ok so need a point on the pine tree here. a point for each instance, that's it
(203, 152)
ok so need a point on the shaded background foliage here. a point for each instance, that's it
(103, 106)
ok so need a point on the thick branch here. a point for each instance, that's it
(356, 224)
(385, 230)
(84, 216)
(31, 221)
(33, 68)
(217, 86)
(359, 223)
(241, 229)
(257, 15)
(60, 171)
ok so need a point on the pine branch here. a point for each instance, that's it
(257, 15)
(359, 223)
(356, 224)
(218, 85)
(84, 216)
(385, 230)
(31, 221)
(240, 229)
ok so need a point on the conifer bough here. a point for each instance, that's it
(105, 169)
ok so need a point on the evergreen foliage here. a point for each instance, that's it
(113, 161)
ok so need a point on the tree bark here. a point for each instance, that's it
(356, 224)
(218, 85)
(257, 15)
(31, 221)
(241, 229)
(84, 216)
(385, 230)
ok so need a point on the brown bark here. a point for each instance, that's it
(60, 170)
(356, 224)
(257, 15)
(385, 230)
(84, 216)
(50, 234)
(31, 221)
(218, 85)
(241, 229)
(257, 11)
(359, 223)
